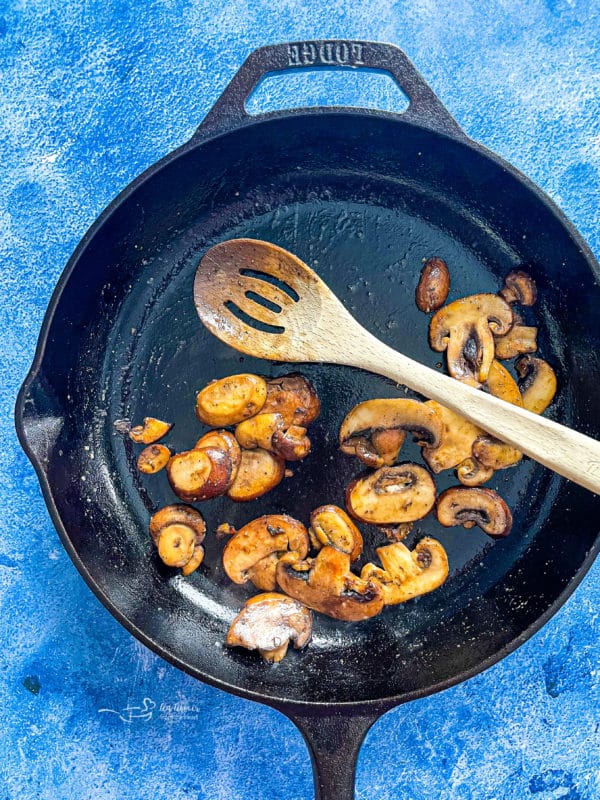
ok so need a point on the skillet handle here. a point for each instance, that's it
(425, 109)
(334, 741)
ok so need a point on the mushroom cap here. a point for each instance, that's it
(434, 285)
(292, 444)
(520, 339)
(177, 513)
(326, 584)
(268, 622)
(407, 574)
(519, 287)
(537, 382)
(389, 495)
(151, 431)
(493, 454)
(294, 397)
(331, 526)
(229, 400)
(258, 431)
(466, 506)
(200, 474)
(260, 538)
(465, 329)
(403, 414)
(471, 472)
(258, 473)
(222, 440)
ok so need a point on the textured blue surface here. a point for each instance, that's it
(94, 92)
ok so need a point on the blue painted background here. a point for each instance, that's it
(93, 92)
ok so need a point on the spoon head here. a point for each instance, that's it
(262, 300)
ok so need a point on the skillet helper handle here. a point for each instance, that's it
(425, 109)
(334, 741)
(565, 451)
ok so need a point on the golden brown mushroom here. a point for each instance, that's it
(471, 472)
(537, 382)
(178, 532)
(326, 584)
(259, 540)
(519, 287)
(396, 533)
(374, 430)
(268, 623)
(466, 329)
(151, 431)
(520, 339)
(222, 440)
(258, 431)
(493, 454)
(294, 397)
(468, 507)
(200, 474)
(291, 444)
(407, 574)
(456, 441)
(258, 473)
(153, 458)
(230, 400)
(330, 526)
(389, 495)
(434, 285)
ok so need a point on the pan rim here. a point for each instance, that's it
(383, 703)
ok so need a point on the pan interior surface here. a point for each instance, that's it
(363, 200)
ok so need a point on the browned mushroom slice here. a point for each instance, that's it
(326, 584)
(391, 494)
(374, 430)
(407, 574)
(230, 400)
(501, 384)
(468, 507)
(223, 440)
(258, 431)
(197, 475)
(268, 623)
(466, 329)
(519, 287)
(257, 541)
(178, 532)
(292, 444)
(520, 339)
(493, 454)
(471, 472)
(396, 533)
(330, 526)
(153, 458)
(294, 397)
(537, 382)
(434, 285)
(151, 431)
(259, 472)
(456, 441)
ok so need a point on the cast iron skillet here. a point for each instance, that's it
(363, 197)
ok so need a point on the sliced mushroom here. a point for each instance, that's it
(332, 527)
(434, 285)
(272, 534)
(456, 441)
(200, 474)
(292, 444)
(466, 329)
(501, 384)
(178, 532)
(151, 431)
(520, 339)
(268, 623)
(259, 472)
(537, 382)
(153, 458)
(519, 287)
(391, 494)
(326, 584)
(374, 430)
(258, 431)
(493, 454)
(471, 472)
(230, 400)
(407, 574)
(223, 440)
(294, 397)
(468, 507)
(396, 533)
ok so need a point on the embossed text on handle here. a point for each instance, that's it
(325, 54)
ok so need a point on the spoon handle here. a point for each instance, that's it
(571, 454)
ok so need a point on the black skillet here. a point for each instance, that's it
(362, 197)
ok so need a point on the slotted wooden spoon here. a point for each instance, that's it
(302, 320)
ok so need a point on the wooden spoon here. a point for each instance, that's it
(262, 300)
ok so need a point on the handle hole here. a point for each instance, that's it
(302, 88)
